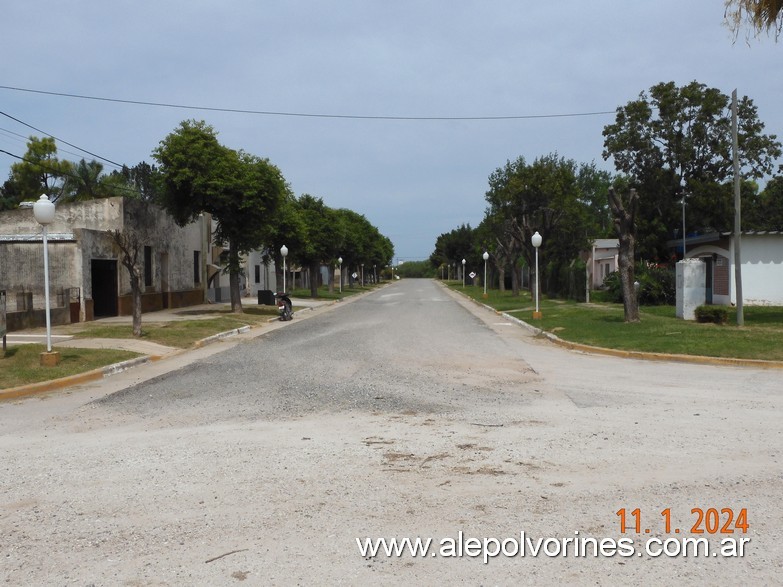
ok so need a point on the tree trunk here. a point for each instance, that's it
(233, 280)
(502, 279)
(625, 226)
(135, 283)
(625, 260)
(314, 267)
(515, 286)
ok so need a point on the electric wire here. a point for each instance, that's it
(309, 114)
(61, 173)
(118, 165)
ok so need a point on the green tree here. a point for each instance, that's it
(323, 237)
(241, 191)
(679, 139)
(140, 180)
(84, 182)
(40, 171)
(451, 247)
(766, 212)
(544, 197)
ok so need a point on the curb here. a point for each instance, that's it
(220, 336)
(108, 370)
(642, 355)
(95, 374)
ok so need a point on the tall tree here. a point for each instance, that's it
(624, 214)
(40, 171)
(676, 140)
(323, 237)
(544, 197)
(240, 191)
(84, 182)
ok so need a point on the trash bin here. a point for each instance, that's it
(266, 297)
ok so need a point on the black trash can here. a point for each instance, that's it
(266, 297)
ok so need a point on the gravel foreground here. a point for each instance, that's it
(405, 413)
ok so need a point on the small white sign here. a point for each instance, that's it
(354, 275)
(472, 275)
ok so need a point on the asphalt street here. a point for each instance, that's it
(406, 412)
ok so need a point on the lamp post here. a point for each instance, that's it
(463, 273)
(485, 256)
(284, 253)
(683, 224)
(43, 210)
(536, 240)
(340, 261)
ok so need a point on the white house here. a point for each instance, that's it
(761, 268)
(601, 260)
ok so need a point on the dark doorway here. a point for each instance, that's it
(708, 284)
(104, 288)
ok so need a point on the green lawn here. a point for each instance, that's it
(602, 324)
(20, 365)
(180, 333)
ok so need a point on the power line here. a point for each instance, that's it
(25, 139)
(305, 114)
(61, 173)
(119, 165)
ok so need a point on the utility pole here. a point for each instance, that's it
(737, 211)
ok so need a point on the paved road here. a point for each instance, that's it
(407, 412)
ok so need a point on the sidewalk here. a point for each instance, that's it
(149, 351)
(200, 312)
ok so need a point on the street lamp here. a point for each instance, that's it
(340, 261)
(43, 210)
(683, 224)
(463, 273)
(485, 256)
(536, 240)
(284, 253)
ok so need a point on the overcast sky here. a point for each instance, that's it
(413, 179)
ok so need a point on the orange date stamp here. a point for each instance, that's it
(702, 521)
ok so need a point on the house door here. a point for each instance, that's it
(104, 288)
(708, 284)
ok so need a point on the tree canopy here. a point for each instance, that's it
(677, 140)
(241, 191)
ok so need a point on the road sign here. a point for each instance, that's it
(472, 275)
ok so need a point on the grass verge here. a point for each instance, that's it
(602, 325)
(20, 365)
(180, 333)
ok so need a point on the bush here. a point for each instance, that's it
(715, 314)
(657, 285)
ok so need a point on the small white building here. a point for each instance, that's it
(762, 266)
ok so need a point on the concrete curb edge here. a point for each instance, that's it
(624, 354)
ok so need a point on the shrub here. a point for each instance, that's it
(715, 314)
(657, 285)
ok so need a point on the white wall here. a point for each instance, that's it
(762, 270)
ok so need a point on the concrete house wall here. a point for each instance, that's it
(762, 268)
(601, 260)
(78, 239)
